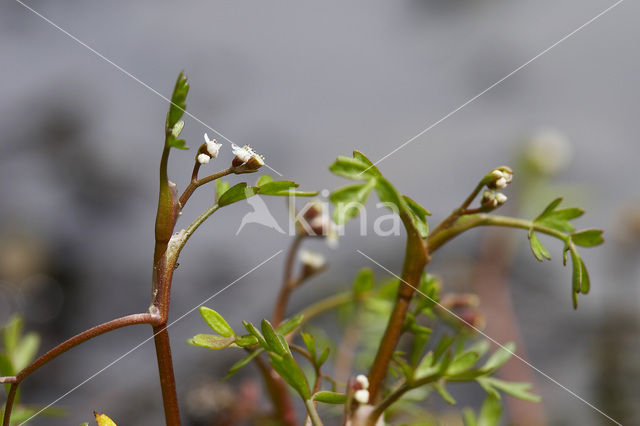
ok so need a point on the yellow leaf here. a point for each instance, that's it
(103, 420)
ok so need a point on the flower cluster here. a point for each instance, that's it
(246, 158)
(498, 178)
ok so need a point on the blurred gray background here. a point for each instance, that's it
(303, 83)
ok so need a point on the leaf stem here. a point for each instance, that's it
(461, 224)
(313, 413)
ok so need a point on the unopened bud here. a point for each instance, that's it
(312, 262)
(363, 381)
(492, 199)
(362, 396)
(500, 177)
(203, 158)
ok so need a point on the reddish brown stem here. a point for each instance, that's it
(416, 258)
(9, 405)
(165, 371)
(106, 327)
(287, 282)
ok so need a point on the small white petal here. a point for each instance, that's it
(501, 183)
(363, 380)
(206, 138)
(203, 158)
(315, 260)
(501, 198)
(362, 396)
(213, 148)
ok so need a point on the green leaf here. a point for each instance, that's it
(323, 356)
(236, 193)
(244, 361)
(349, 200)
(280, 187)
(388, 194)
(363, 281)
(559, 219)
(6, 367)
(418, 216)
(462, 363)
(254, 332)
(216, 322)
(443, 345)
(264, 179)
(551, 207)
(246, 340)
(585, 284)
(211, 341)
(289, 370)
(588, 237)
(442, 391)
(289, 325)
(178, 98)
(425, 367)
(519, 390)
(499, 357)
(361, 157)
(490, 412)
(26, 351)
(576, 276)
(539, 251)
(221, 188)
(12, 333)
(352, 168)
(480, 348)
(274, 342)
(330, 397)
(177, 129)
(469, 417)
(310, 343)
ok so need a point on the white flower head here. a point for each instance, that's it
(363, 381)
(246, 156)
(312, 259)
(362, 396)
(213, 148)
(203, 158)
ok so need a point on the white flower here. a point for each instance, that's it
(362, 396)
(213, 148)
(312, 259)
(246, 156)
(363, 381)
(203, 158)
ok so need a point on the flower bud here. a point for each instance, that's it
(492, 199)
(312, 262)
(499, 178)
(362, 396)
(363, 381)
(203, 158)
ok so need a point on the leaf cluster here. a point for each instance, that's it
(350, 199)
(558, 220)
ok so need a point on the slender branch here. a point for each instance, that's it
(195, 182)
(395, 395)
(465, 223)
(313, 413)
(288, 284)
(9, 405)
(68, 344)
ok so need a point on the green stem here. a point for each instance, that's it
(464, 223)
(313, 413)
(395, 395)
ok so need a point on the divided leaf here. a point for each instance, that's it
(588, 237)
(539, 251)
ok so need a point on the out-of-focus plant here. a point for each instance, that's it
(416, 340)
